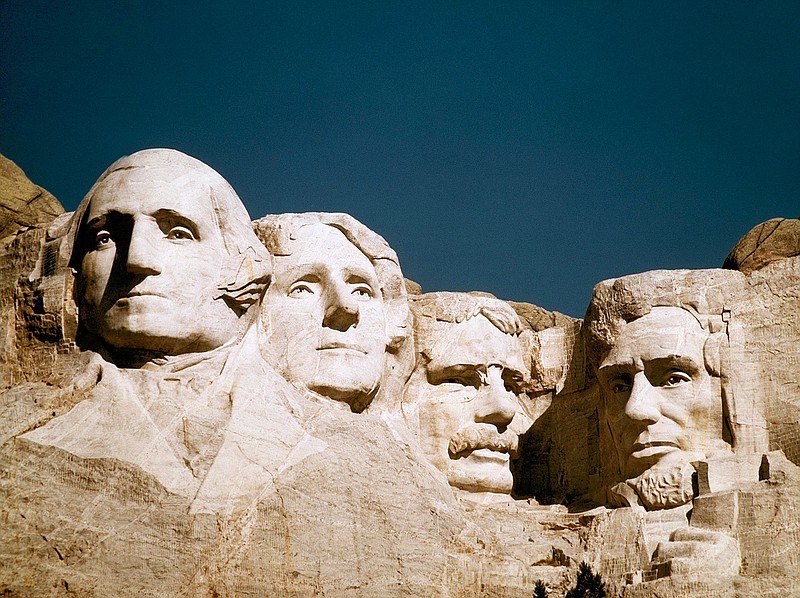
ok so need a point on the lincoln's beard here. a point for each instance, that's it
(663, 486)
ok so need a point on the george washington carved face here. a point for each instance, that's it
(152, 261)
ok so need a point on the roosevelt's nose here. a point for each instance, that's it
(341, 308)
(143, 255)
(496, 404)
(642, 403)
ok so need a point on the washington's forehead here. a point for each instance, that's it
(323, 244)
(476, 341)
(140, 191)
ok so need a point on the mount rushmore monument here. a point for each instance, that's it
(195, 403)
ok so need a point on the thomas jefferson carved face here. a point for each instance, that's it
(152, 259)
(662, 405)
(467, 405)
(324, 317)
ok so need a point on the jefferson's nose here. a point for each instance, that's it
(642, 403)
(143, 255)
(497, 405)
(341, 308)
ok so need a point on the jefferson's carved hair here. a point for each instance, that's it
(277, 232)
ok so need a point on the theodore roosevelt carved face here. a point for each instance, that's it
(324, 316)
(463, 395)
(155, 233)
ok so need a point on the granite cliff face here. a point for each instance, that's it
(194, 404)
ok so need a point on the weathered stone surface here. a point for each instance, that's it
(22, 203)
(179, 430)
(772, 240)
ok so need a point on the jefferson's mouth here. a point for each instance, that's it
(341, 346)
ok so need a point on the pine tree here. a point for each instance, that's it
(539, 591)
(588, 584)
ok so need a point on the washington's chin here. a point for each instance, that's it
(483, 470)
(150, 334)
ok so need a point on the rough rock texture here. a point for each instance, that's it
(21, 202)
(772, 240)
(230, 471)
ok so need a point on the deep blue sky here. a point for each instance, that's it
(525, 149)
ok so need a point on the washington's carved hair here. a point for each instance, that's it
(246, 271)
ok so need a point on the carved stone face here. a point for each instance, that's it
(466, 400)
(324, 317)
(661, 403)
(152, 261)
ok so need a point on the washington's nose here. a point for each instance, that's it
(143, 255)
(341, 308)
(642, 403)
(498, 405)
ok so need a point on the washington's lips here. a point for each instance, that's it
(482, 436)
(134, 294)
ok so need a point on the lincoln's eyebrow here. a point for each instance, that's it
(681, 362)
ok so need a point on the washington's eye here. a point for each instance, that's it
(102, 238)
(180, 233)
(300, 290)
(619, 386)
(676, 378)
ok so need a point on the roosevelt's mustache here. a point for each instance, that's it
(483, 436)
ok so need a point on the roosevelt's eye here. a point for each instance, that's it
(676, 378)
(180, 233)
(102, 238)
(300, 290)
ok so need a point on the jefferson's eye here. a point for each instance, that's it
(362, 291)
(300, 290)
(676, 378)
(102, 238)
(180, 233)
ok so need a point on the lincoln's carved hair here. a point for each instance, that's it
(276, 231)
(246, 272)
(432, 310)
(701, 293)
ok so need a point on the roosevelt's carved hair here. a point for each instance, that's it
(432, 309)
